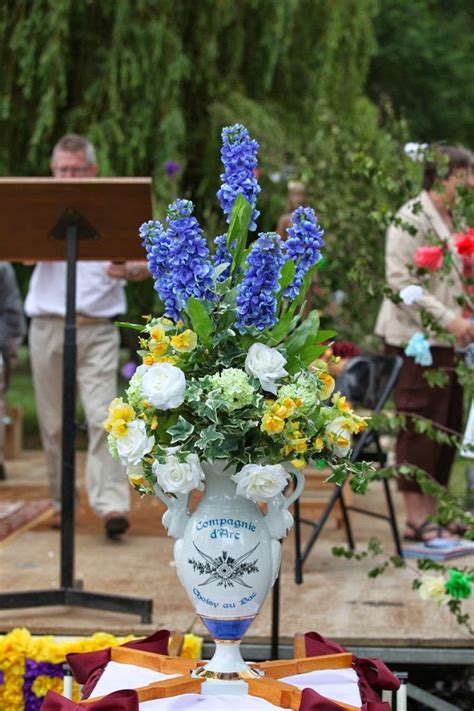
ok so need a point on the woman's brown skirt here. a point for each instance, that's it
(442, 405)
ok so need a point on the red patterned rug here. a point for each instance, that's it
(18, 516)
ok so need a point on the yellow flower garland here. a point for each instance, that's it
(19, 645)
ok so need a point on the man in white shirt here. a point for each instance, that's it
(100, 298)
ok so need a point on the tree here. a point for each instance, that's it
(424, 63)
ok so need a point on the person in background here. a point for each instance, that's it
(100, 298)
(297, 197)
(430, 214)
(12, 331)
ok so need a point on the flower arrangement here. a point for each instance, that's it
(31, 666)
(231, 370)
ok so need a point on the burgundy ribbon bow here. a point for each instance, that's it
(126, 700)
(312, 701)
(373, 674)
(87, 667)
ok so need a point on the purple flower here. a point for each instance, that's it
(189, 265)
(128, 369)
(222, 255)
(157, 244)
(256, 298)
(33, 670)
(239, 157)
(305, 240)
(171, 168)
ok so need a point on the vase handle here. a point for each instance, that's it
(298, 490)
(175, 517)
(278, 519)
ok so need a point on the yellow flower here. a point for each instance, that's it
(158, 348)
(192, 647)
(271, 424)
(119, 408)
(328, 384)
(301, 445)
(298, 463)
(179, 324)
(136, 479)
(119, 428)
(119, 412)
(148, 359)
(168, 359)
(318, 444)
(42, 684)
(157, 333)
(184, 342)
(342, 441)
(340, 403)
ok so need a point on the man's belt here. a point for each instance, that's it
(82, 319)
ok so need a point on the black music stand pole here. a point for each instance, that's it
(72, 227)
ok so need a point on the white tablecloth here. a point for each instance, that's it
(337, 684)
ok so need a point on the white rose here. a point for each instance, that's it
(163, 386)
(432, 588)
(259, 482)
(133, 445)
(340, 436)
(411, 294)
(177, 477)
(265, 364)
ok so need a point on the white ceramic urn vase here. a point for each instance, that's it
(227, 556)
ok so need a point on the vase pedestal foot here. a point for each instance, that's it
(227, 664)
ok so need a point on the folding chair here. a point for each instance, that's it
(368, 381)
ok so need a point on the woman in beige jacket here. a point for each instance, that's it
(420, 222)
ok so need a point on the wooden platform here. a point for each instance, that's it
(336, 599)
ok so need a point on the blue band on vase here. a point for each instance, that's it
(228, 629)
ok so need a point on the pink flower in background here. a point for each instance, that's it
(465, 243)
(430, 258)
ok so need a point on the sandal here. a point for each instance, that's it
(423, 534)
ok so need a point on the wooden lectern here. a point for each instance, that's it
(87, 218)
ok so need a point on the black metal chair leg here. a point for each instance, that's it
(347, 522)
(393, 519)
(297, 534)
(275, 633)
(318, 527)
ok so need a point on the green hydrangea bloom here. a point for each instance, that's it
(134, 390)
(305, 387)
(235, 388)
(112, 444)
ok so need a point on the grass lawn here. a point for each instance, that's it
(21, 395)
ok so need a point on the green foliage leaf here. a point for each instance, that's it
(200, 319)
(126, 324)
(238, 231)
(181, 430)
(287, 274)
(436, 378)
(282, 328)
(305, 333)
(325, 335)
